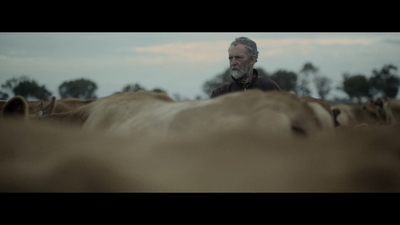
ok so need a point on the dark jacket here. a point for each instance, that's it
(261, 83)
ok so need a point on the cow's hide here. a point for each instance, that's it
(390, 109)
(15, 108)
(69, 104)
(19, 107)
(39, 157)
(274, 112)
(325, 105)
(352, 115)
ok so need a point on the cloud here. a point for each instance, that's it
(272, 47)
(309, 42)
(207, 52)
(392, 41)
(189, 52)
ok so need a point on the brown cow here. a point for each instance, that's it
(20, 108)
(68, 104)
(36, 157)
(277, 113)
(352, 115)
(15, 108)
(60, 105)
(390, 109)
(333, 113)
(2, 103)
(42, 107)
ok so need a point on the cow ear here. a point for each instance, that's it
(379, 102)
(253, 59)
(37, 109)
(335, 112)
(51, 106)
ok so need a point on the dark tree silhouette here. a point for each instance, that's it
(304, 79)
(26, 88)
(385, 82)
(323, 85)
(356, 86)
(80, 88)
(3, 96)
(285, 79)
(132, 88)
(159, 90)
(137, 87)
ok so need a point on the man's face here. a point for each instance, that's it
(240, 63)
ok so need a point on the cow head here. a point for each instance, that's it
(335, 113)
(16, 108)
(373, 111)
(50, 107)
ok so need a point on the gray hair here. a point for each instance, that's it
(250, 45)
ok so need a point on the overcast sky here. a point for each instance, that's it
(180, 63)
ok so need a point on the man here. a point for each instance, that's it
(243, 55)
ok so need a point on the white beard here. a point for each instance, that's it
(241, 74)
(238, 75)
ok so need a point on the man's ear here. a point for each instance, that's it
(253, 60)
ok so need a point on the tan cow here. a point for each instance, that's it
(68, 104)
(36, 157)
(352, 115)
(18, 107)
(390, 109)
(38, 108)
(276, 113)
(326, 106)
(2, 103)
(60, 105)
(15, 108)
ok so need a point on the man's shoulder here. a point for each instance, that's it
(267, 83)
(264, 79)
(226, 84)
(223, 88)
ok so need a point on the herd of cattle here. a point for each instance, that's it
(250, 141)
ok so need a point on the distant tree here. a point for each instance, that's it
(384, 82)
(26, 88)
(137, 87)
(80, 88)
(356, 86)
(132, 88)
(179, 98)
(3, 96)
(11, 83)
(159, 90)
(304, 79)
(285, 79)
(309, 68)
(217, 81)
(323, 86)
(262, 73)
(302, 89)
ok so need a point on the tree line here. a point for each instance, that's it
(79, 88)
(381, 83)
